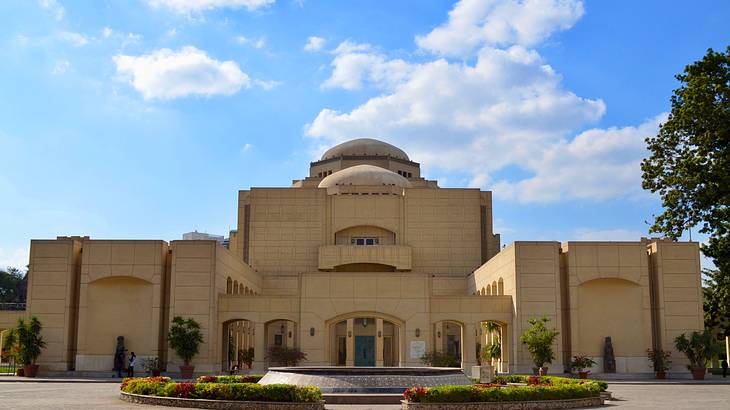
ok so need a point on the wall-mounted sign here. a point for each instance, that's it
(418, 349)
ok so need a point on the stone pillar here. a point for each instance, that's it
(468, 347)
(350, 343)
(439, 340)
(505, 339)
(259, 354)
(378, 342)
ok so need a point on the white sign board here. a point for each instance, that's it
(418, 349)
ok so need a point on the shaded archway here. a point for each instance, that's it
(279, 333)
(492, 338)
(237, 343)
(448, 339)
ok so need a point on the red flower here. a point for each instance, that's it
(184, 390)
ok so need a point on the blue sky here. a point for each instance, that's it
(142, 118)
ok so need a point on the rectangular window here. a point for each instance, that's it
(364, 241)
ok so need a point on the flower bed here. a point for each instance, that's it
(228, 390)
(552, 392)
(247, 378)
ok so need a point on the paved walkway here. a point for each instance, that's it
(87, 396)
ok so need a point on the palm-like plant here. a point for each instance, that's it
(29, 339)
(185, 338)
(699, 348)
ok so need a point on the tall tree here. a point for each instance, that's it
(12, 285)
(689, 167)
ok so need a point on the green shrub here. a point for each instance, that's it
(477, 393)
(554, 380)
(244, 378)
(440, 359)
(162, 386)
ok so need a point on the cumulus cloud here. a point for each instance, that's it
(314, 43)
(255, 42)
(356, 64)
(596, 164)
(60, 67)
(473, 23)
(196, 6)
(53, 7)
(15, 258)
(167, 74)
(506, 109)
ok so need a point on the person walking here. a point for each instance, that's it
(724, 368)
(132, 362)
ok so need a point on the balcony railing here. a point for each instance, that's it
(398, 256)
(12, 306)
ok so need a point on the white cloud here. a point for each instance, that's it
(106, 32)
(596, 164)
(505, 110)
(167, 74)
(16, 258)
(474, 23)
(267, 85)
(75, 39)
(54, 7)
(246, 148)
(61, 67)
(314, 43)
(195, 6)
(255, 42)
(356, 64)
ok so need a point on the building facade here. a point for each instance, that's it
(361, 263)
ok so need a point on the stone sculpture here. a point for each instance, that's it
(119, 356)
(609, 360)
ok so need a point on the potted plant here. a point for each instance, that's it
(245, 356)
(699, 348)
(185, 339)
(580, 363)
(152, 366)
(285, 356)
(27, 336)
(539, 340)
(660, 361)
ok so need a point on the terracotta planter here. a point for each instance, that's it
(699, 374)
(661, 375)
(30, 370)
(186, 372)
(582, 375)
(155, 373)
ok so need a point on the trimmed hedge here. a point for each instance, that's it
(247, 378)
(229, 390)
(553, 380)
(487, 393)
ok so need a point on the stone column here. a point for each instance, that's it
(259, 353)
(439, 340)
(378, 342)
(505, 339)
(350, 343)
(468, 347)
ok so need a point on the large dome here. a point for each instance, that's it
(367, 147)
(364, 175)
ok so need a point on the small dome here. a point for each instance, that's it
(364, 175)
(367, 147)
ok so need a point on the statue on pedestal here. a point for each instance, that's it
(119, 356)
(609, 360)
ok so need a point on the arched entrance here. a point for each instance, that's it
(365, 340)
(238, 344)
(279, 333)
(448, 339)
(493, 341)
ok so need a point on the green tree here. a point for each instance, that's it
(539, 340)
(185, 338)
(689, 166)
(12, 285)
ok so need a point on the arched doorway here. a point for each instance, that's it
(492, 342)
(366, 340)
(448, 339)
(279, 333)
(238, 344)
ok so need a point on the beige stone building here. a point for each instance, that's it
(361, 263)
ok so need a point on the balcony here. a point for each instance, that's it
(397, 256)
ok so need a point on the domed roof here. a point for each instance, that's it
(365, 146)
(364, 175)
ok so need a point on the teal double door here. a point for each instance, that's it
(364, 350)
